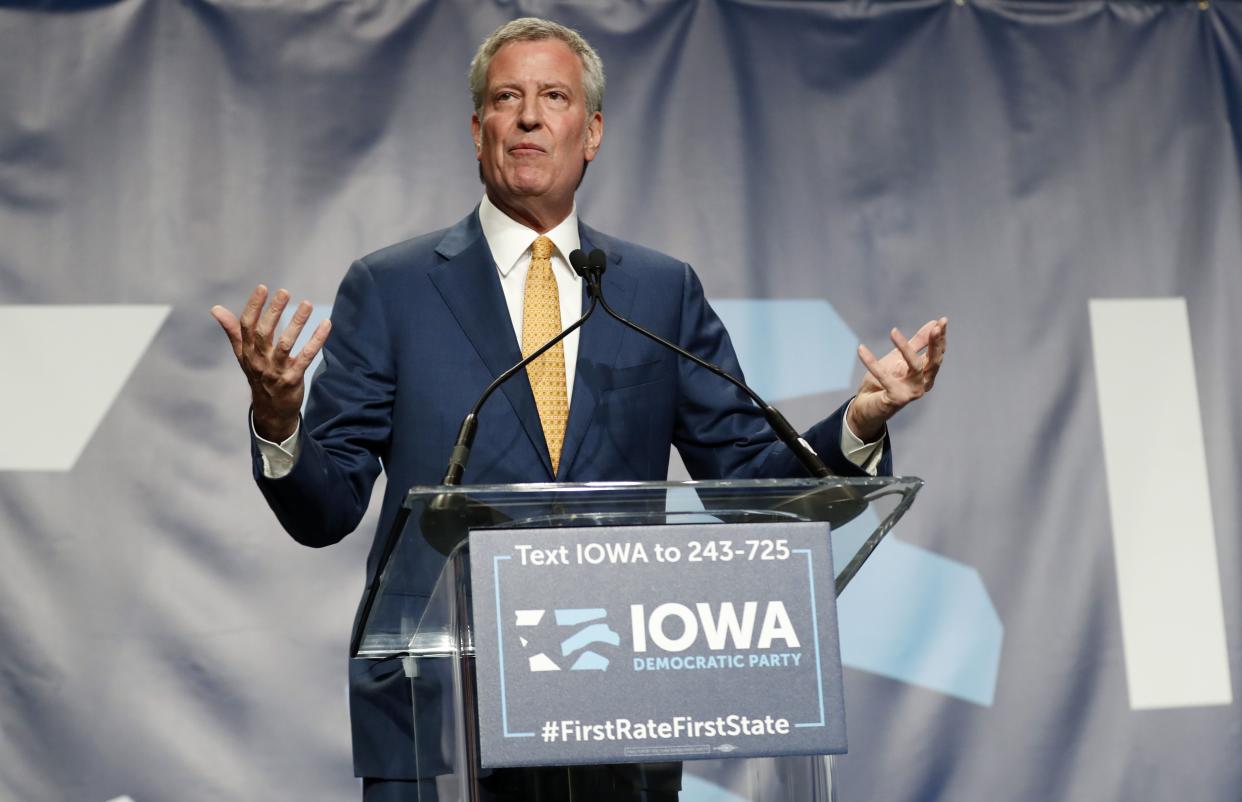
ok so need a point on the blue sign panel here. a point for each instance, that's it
(634, 644)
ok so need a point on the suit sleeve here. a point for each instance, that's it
(719, 432)
(348, 422)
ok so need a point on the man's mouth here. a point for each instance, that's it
(526, 149)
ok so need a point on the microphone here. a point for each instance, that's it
(592, 270)
(578, 261)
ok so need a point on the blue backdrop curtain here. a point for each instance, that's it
(1002, 162)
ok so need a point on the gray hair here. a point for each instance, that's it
(532, 29)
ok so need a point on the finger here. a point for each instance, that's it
(921, 337)
(271, 315)
(309, 351)
(875, 369)
(254, 305)
(232, 327)
(908, 351)
(935, 356)
(290, 335)
(936, 343)
(935, 351)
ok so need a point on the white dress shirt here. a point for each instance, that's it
(510, 244)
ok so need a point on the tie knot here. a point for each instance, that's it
(541, 248)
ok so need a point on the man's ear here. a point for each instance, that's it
(594, 135)
(476, 132)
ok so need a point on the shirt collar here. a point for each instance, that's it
(509, 240)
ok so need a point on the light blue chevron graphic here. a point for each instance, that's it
(915, 616)
(318, 313)
(598, 632)
(790, 348)
(573, 616)
(595, 633)
(590, 661)
(909, 614)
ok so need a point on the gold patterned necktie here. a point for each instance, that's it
(541, 321)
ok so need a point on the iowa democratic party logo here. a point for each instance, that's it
(579, 628)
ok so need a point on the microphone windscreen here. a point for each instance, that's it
(578, 260)
(598, 259)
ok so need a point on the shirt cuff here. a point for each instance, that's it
(865, 455)
(278, 458)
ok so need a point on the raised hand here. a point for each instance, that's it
(903, 375)
(276, 376)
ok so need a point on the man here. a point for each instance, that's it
(423, 326)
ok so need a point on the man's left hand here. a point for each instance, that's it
(905, 374)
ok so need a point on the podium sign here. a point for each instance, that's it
(624, 644)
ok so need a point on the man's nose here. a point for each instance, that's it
(528, 114)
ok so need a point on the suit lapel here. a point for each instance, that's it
(470, 286)
(599, 342)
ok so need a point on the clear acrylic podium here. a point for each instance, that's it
(433, 635)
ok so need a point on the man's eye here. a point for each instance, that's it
(505, 96)
(558, 96)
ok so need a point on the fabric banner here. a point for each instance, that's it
(1057, 617)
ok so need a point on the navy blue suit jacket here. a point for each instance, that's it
(420, 328)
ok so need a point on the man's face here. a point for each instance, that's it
(535, 136)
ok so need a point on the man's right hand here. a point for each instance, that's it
(276, 377)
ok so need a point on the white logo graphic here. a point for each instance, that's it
(721, 627)
(63, 366)
(591, 629)
(1164, 539)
